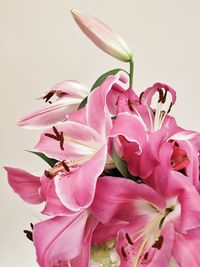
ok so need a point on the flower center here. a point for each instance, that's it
(149, 237)
(105, 255)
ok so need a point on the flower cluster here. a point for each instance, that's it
(123, 183)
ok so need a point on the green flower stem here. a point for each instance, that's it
(131, 73)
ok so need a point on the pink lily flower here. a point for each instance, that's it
(156, 128)
(70, 94)
(82, 147)
(102, 36)
(178, 153)
(157, 219)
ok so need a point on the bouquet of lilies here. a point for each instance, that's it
(122, 186)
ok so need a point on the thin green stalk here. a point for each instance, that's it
(131, 73)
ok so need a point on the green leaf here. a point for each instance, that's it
(120, 164)
(98, 82)
(83, 103)
(50, 161)
(102, 78)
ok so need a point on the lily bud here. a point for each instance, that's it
(103, 36)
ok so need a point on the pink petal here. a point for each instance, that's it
(51, 114)
(25, 185)
(97, 100)
(71, 88)
(101, 119)
(104, 232)
(126, 99)
(84, 258)
(59, 240)
(76, 189)
(186, 251)
(53, 206)
(155, 152)
(78, 116)
(131, 127)
(111, 192)
(175, 184)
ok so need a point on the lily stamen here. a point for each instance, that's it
(63, 166)
(29, 234)
(48, 96)
(159, 114)
(57, 136)
(48, 174)
(129, 239)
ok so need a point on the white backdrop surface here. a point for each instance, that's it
(40, 45)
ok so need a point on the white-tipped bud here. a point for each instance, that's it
(103, 36)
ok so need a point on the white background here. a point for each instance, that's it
(40, 45)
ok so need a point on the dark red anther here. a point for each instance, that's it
(158, 244)
(51, 136)
(55, 131)
(65, 166)
(57, 136)
(48, 96)
(130, 105)
(62, 141)
(129, 239)
(48, 174)
(123, 252)
(164, 96)
(140, 98)
(31, 226)
(160, 91)
(29, 234)
(170, 107)
(146, 256)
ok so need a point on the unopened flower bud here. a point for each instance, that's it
(104, 37)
